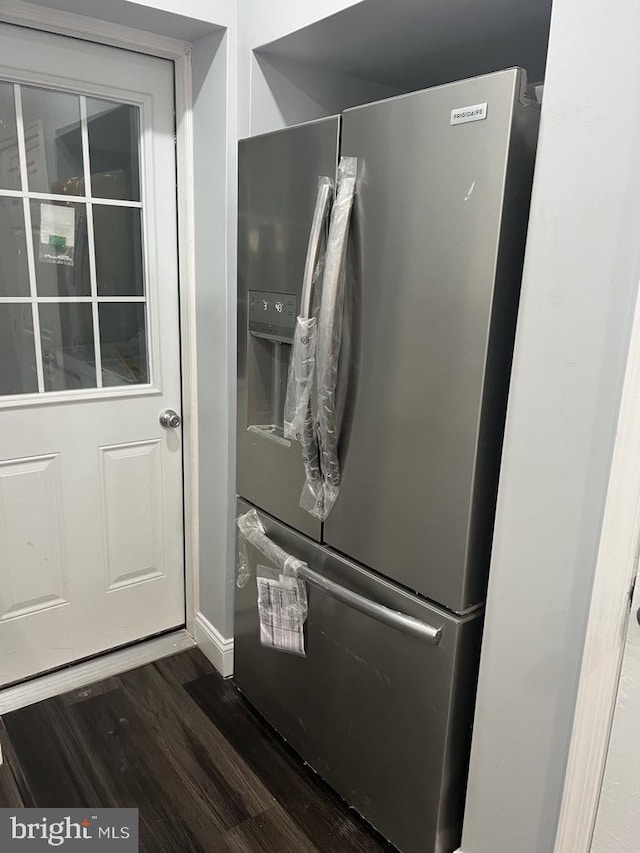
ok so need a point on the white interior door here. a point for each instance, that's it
(618, 820)
(91, 528)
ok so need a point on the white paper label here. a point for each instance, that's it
(462, 115)
(57, 234)
(282, 608)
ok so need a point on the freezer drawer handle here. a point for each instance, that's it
(252, 530)
(394, 618)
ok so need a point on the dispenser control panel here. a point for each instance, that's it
(272, 315)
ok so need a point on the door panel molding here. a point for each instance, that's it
(132, 519)
(38, 549)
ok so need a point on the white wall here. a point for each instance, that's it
(215, 164)
(260, 22)
(285, 92)
(581, 274)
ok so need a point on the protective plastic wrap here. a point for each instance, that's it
(299, 420)
(282, 601)
(252, 530)
(302, 366)
(320, 501)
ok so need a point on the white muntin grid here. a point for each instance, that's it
(88, 200)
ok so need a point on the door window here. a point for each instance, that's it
(73, 301)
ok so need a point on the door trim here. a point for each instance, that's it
(187, 295)
(616, 568)
(93, 30)
(88, 672)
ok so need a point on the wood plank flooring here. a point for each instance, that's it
(178, 742)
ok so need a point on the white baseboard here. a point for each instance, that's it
(83, 674)
(213, 645)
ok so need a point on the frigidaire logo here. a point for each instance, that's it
(475, 112)
(28, 830)
(468, 113)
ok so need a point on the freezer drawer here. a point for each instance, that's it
(383, 713)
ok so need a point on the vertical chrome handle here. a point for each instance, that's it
(298, 419)
(320, 212)
(330, 330)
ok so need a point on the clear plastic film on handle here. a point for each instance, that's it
(252, 530)
(299, 421)
(318, 502)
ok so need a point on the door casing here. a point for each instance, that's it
(609, 614)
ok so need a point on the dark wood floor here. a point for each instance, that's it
(178, 742)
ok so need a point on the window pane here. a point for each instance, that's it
(53, 140)
(113, 149)
(68, 353)
(9, 157)
(118, 250)
(14, 270)
(60, 248)
(123, 343)
(17, 350)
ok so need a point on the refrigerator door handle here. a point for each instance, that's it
(325, 186)
(393, 618)
(330, 333)
(299, 421)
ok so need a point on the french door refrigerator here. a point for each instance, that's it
(428, 255)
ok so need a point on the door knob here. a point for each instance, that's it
(170, 419)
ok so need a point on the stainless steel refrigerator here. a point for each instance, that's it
(381, 705)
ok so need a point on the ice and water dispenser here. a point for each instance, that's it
(271, 323)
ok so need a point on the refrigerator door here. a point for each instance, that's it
(381, 706)
(438, 238)
(278, 191)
